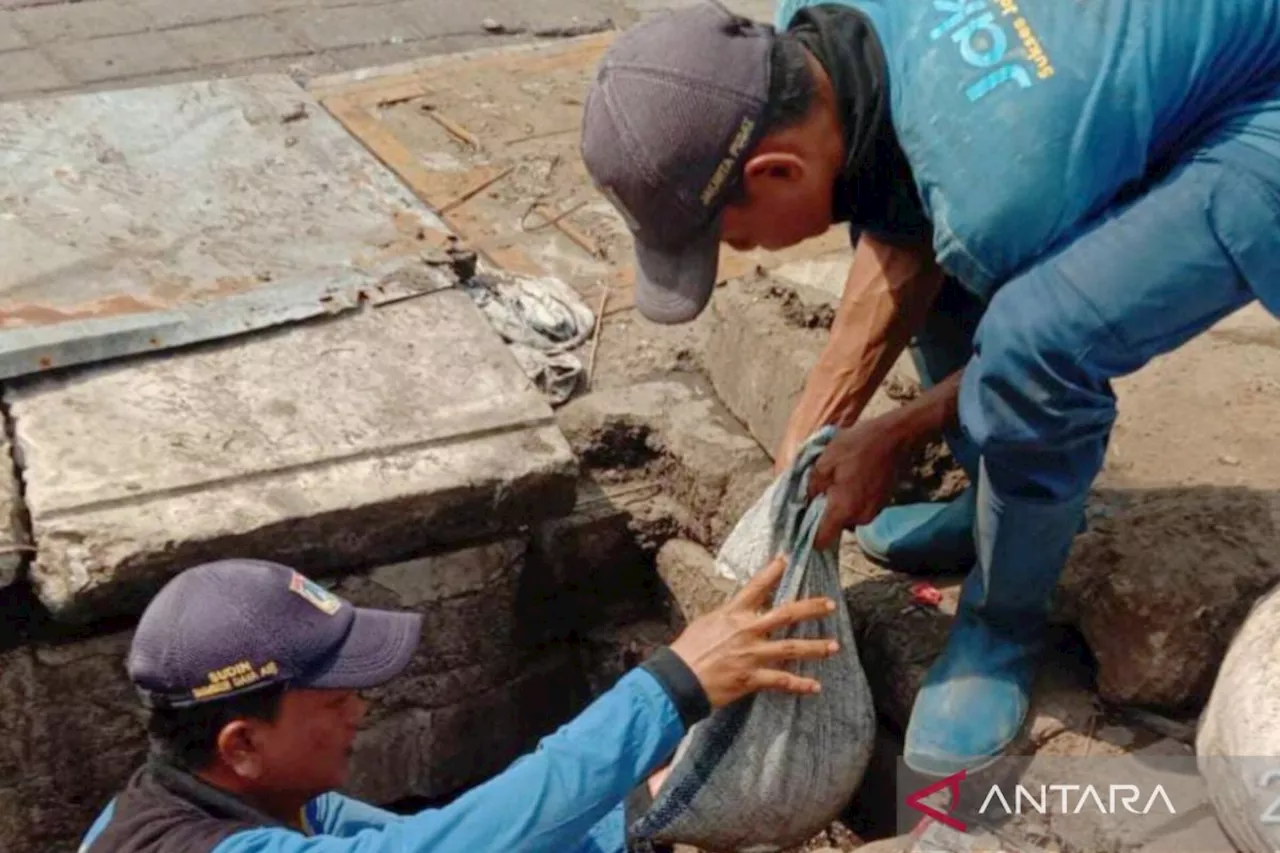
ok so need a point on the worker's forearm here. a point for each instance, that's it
(928, 415)
(887, 294)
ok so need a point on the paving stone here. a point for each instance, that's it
(226, 42)
(24, 71)
(351, 26)
(118, 57)
(10, 37)
(435, 17)
(371, 56)
(164, 14)
(80, 20)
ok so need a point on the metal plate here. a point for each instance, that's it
(144, 219)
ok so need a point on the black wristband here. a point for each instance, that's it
(681, 685)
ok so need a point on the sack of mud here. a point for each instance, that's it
(773, 770)
(1238, 742)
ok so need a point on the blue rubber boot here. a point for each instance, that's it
(974, 699)
(923, 539)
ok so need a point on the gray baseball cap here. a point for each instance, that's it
(232, 626)
(678, 102)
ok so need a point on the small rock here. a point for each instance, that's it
(1229, 460)
(492, 26)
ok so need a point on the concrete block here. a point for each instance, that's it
(594, 567)
(758, 358)
(672, 431)
(469, 703)
(689, 571)
(370, 438)
(431, 753)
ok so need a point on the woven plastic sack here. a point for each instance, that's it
(773, 770)
(1238, 742)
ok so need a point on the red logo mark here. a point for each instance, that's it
(952, 784)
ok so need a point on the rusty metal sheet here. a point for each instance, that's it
(139, 220)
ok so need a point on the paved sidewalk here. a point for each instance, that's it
(50, 47)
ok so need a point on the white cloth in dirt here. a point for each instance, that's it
(773, 770)
(1238, 742)
(542, 318)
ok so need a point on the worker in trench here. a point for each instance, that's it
(252, 674)
(1043, 197)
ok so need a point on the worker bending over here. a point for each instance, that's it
(1044, 195)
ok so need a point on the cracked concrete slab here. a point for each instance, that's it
(369, 438)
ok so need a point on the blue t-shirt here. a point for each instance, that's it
(1024, 119)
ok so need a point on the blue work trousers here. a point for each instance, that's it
(1199, 242)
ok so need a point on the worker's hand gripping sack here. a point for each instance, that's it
(772, 770)
(1238, 744)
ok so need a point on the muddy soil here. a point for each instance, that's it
(798, 312)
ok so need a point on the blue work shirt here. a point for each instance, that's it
(565, 797)
(1023, 120)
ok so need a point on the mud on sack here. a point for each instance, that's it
(773, 770)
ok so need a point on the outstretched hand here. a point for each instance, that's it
(858, 471)
(730, 650)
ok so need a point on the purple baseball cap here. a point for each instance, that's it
(228, 627)
(677, 103)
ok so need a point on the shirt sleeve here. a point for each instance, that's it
(336, 814)
(549, 800)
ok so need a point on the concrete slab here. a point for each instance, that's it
(368, 438)
(154, 218)
(758, 357)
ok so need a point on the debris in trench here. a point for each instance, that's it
(541, 318)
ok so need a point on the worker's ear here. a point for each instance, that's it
(768, 175)
(239, 749)
(775, 166)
